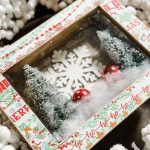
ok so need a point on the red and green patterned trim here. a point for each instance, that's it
(23, 118)
(107, 119)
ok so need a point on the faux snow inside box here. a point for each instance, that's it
(70, 52)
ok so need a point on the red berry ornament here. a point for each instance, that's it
(80, 95)
(110, 70)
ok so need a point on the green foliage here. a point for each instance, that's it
(51, 106)
(119, 51)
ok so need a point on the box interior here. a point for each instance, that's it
(81, 33)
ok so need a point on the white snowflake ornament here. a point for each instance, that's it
(73, 70)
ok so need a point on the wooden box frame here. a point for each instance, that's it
(46, 35)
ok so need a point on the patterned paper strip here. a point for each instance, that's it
(64, 19)
(44, 33)
(103, 122)
(24, 119)
(138, 30)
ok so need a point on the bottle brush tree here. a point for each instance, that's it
(120, 51)
(50, 105)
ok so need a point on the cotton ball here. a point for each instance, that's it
(136, 3)
(9, 9)
(9, 35)
(49, 4)
(17, 12)
(56, 7)
(5, 25)
(148, 19)
(124, 2)
(15, 29)
(11, 23)
(3, 33)
(43, 2)
(5, 134)
(2, 10)
(10, 15)
(5, 22)
(146, 136)
(118, 147)
(14, 14)
(147, 141)
(4, 2)
(145, 22)
(8, 147)
(68, 1)
(29, 15)
(142, 16)
(31, 4)
(23, 145)
(145, 5)
(62, 5)
(145, 148)
(19, 24)
(146, 130)
(1, 23)
(14, 137)
(146, 13)
(132, 10)
(1, 145)
(138, 12)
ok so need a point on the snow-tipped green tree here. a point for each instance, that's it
(51, 106)
(119, 51)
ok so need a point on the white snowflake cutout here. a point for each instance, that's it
(72, 70)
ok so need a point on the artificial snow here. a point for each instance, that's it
(102, 93)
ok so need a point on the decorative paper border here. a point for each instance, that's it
(52, 27)
(28, 124)
(24, 119)
(107, 119)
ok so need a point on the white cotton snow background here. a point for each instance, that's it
(146, 136)
(101, 94)
(118, 147)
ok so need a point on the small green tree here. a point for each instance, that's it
(51, 106)
(119, 51)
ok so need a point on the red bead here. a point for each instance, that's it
(80, 95)
(110, 70)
